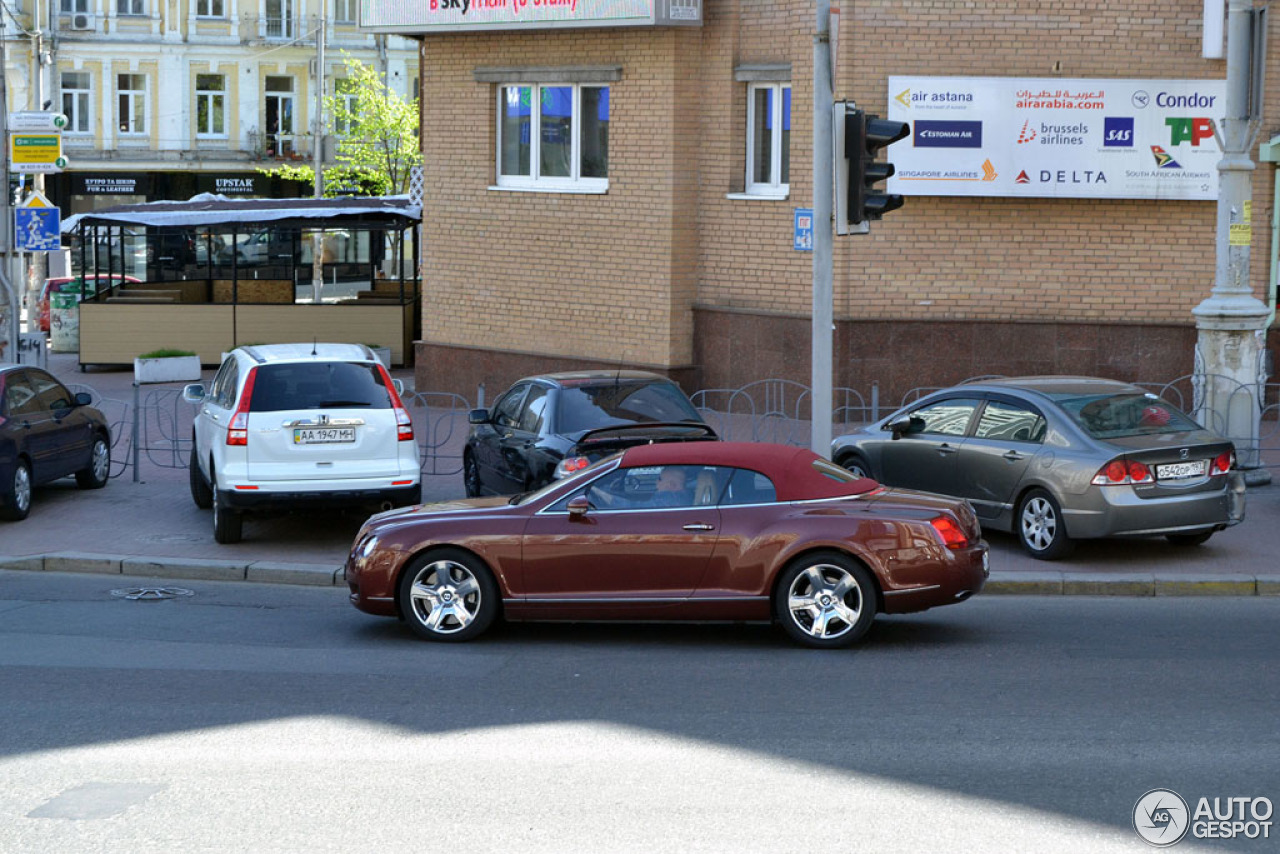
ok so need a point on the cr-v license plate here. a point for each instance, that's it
(1174, 471)
(323, 435)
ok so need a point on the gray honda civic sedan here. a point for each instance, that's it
(1058, 459)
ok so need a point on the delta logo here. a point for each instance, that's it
(1164, 160)
(1028, 133)
(1117, 132)
(1022, 178)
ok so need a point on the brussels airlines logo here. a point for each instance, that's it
(1028, 133)
(1164, 160)
(1194, 131)
(1117, 132)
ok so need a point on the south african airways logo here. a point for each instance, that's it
(1164, 160)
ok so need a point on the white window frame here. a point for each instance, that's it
(345, 11)
(73, 7)
(211, 9)
(131, 7)
(772, 189)
(77, 116)
(212, 96)
(132, 95)
(534, 181)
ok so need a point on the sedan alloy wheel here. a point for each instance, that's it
(826, 601)
(448, 596)
(17, 504)
(1040, 527)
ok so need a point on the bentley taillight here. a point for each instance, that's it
(953, 537)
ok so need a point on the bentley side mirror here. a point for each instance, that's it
(83, 398)
(193, 393)
(578, 506)
(478, 416)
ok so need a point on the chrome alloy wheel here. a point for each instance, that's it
(445, 597)
(1039, 523)
(22, 489)
(101, 460)
(825, 601)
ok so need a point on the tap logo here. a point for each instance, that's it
(1117, 132)
(1194, 131)
(1028, 133)
(1160, 817)
(1164, 160)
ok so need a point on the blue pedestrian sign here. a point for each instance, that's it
(804, 230)
(37, 225)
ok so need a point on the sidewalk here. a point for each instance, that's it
(153, 529)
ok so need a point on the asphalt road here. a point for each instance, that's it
(264, 718)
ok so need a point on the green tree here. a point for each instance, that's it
(377, 137)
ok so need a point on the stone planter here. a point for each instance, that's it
(174, 369)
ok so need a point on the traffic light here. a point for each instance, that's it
(858, 138)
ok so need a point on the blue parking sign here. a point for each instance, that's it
(37, 229)
(804, 230)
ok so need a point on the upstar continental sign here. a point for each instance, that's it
(452, 16)
(1056, 138)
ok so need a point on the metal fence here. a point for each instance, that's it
(154, 429)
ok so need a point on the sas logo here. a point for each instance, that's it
(1028, 133)
(1164, 160)
(1194, 131)
(1117, 132)
(940, 134)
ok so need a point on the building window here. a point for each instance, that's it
(75, 100)
(131, 7)
(73, 6)
(210, 9)
(769, 139)
(279, 108)
(553, 136)
(131, 103)
(211, 105)
(344, 11)
(345, 90)
(279, 19)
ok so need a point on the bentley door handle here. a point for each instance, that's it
(699, 526)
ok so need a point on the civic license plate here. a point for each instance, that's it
(1176, 471)
(323, 435)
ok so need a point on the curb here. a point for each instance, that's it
(190, 569)
(328, 575)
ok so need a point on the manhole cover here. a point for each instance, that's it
(151, 594)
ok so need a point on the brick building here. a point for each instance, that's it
(676, 254)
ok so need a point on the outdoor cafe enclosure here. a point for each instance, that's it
(217, 273)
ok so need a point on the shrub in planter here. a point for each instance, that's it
(166, 366)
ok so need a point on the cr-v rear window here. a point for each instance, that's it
(318, 385)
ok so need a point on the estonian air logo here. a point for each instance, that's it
(1022, 178)
(1028, 133)
(1117, 132)
(1164, 160)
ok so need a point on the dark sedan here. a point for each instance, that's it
(46, 433)
(692, 531)
(550, 426)
(1056, 459)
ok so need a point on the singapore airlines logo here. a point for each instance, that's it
(988, 171)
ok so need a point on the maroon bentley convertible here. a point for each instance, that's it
(698, 531)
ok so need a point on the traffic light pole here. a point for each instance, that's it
(823, 296)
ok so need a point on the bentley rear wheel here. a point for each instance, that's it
(825, 600)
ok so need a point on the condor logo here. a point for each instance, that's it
(1117, 132)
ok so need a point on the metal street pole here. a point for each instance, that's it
(39, 260)
(12, 303)
(317, 157)
(823, 309)
(1231, 322)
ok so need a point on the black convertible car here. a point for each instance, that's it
(550, 426)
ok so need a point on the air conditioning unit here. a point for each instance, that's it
(81, 21)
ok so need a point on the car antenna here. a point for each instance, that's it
(313, 345)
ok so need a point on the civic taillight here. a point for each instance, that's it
(238, 429)
(953, 537)
(1222, 464)
(1119, 472)
(404, 424)
(569, 465)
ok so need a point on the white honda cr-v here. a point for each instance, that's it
(288, 426)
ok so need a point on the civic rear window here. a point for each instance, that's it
(590, 407)
(318, 385)
(1113, 416)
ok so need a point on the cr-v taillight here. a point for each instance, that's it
(238, 429)
(404, 424)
